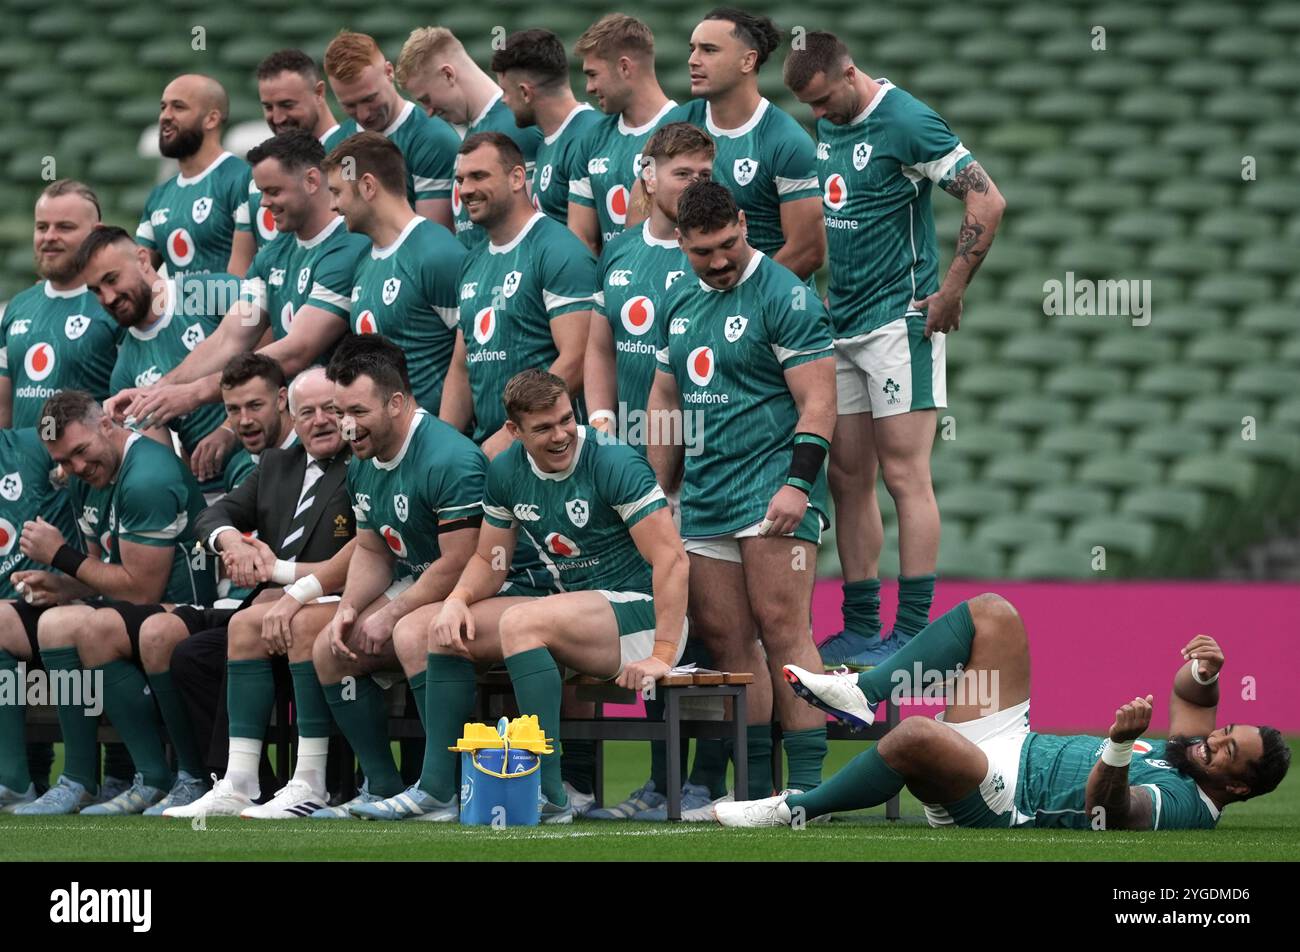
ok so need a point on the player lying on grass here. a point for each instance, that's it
(979, 764)
(601, 523)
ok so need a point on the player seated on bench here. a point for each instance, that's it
(595, 514)
(976, 767)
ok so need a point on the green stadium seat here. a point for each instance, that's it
(946, 470)
(89, 55)
(1275, 197)
(245, 52)
(57, 25)
(88, 139)
(170, 55)
(1241, 105)
(1048, 225)
(1084, 382)
(1032, 76)
(959, 20)
(1196, 76)
(1160, 45)
(1167, 442)
(1148, 165)
(1025, 471)
(959, 560)
(1246, 45)
(1061, 167)
(1189, 320)
(1154, 105)
(1068, 503)
(980, 108)
(1178, 382)
(1224, 164)
(1066, 106)
(136, 24)
(1278, 75)
(1235, 225)
(967, 350)
(944, 79)
(1094, 259)
(1233, 290)
(1022, 138)
(1111, 75)
(975, 441)
(1277, 134)
(120, 168)
(1074, 442)
(994, 383)
(1144, 227)
(1178, 515)
(877, 20)
(1282, 16)
(1129, 413)
(1041, 18)
(1221, 412)
(1124, 18)
(975, 501)
(1013, 531)
(1228, 482)
(1042, 349)
(991, 48)
(118, 82)
(137, 112)
(1225, 350)
(1263, 381)
(17, 53)
(1073, 46)
(1198, 17)
(1020, 304)
(1053, 561)
(1119, 471)
(1107, 135)
(1276, 455)
(910, 49)
(61, 111)
(1195, 137)
(1190, 196)
(1290, 352)
(1012, 256)
(1132, 539)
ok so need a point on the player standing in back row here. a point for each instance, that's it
(879, 153)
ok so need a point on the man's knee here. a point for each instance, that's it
(994, 612)
(906, 475)
(58, 627)
(910, 741)
(521, 628)
(159, 636)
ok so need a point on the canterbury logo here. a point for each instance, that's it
(527, 512)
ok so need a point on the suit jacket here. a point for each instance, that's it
(266, 499)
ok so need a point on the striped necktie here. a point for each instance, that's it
(297, 526)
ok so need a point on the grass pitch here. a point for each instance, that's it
(1266, 829)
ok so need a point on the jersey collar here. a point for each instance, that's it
(410, 432)
(580, 107)
(1209, 804)
(321, 235)
(401, 117)
(52, 292)
(885, 86)
(182, 180)
(513, 242)
(126, 448)
(567, 471)
(171, 291)
(739, 131)
(625, 129)
(492, 101)
(378, 254)
(329, 132)
(654, 242)
(749, 269)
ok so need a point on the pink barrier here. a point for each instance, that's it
(1095, 646)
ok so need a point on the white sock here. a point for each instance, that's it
(310, 769)
(241, 766)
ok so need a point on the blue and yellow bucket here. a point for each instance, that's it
(501, 778)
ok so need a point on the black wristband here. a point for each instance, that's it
(806, 461)
(67, 560)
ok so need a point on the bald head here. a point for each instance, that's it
(194, 108)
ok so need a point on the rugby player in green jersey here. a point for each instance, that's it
(618, 59)
(188, 222)
(879, 155)
(135, 504)
(595, 514)
(979, 764)
(746, 347)
(436, 70)
(299, 289)
(54, 334)
(362, 81)
(533, 71)
(292, 94)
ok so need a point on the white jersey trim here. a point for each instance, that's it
(513, 242)
(784, 186)
(885, 86)
(626, 130)
(321, 235)
(396, 461)
(169, 289)
(629, 509)
(579, 107)
(52, 292)
(184, 182)
(567, 471)
(749, 270)
(378, 254)
(739, 131)
(492, 101)
(401, 118)
(937, 170)
(322, 293)
(551, 301)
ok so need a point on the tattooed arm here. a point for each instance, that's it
(984, 207)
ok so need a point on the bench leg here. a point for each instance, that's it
(891, 718)
(740, 756)
(598, 768)
(673, 715)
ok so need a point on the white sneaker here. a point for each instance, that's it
(837, 694)
(582, 802)
(294, 801)
(771, 811)
(704, 814)
(222, 800)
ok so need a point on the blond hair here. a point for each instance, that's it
(349, 53)
(615, 35)
(424, 47)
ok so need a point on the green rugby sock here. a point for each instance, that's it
(940, 646)
(177, 719)
(805, 751)
(417, 691)
(709, 769)
(129, 704)
(311, 712)
(250, 697)
(758, 744)
(862, 607)
(364, 722)
(449, 687)
(915, 594)
(538, 686)
(865, 781)
(80, 748)
(14, 773)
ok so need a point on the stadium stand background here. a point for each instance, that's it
(1070, 432)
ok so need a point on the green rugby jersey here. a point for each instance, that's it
(195, 306)
(764, 163)
(633, 275)
(509, 294)
(429, 146)
(437, 476)
(607, 165)
(1053, 784)
(153, 500)
(251, 216)
(554, 160)
(578, 520)
(495, 117)
(878, 172)
(408, 293)
(728, 351)
(28, 490)
(191, 221)
(287, 275)
(53, 340)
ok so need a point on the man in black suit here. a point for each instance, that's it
(296, 502)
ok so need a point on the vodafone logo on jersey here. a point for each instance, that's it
(366, 323)
(286, 315)
(180, 247)
(700, 366)
(836, 192)
(8, 536)
(638, 315)
(265, 224)
(455, 198)
(485, 325)
(616, 200)
(39, 362)
(394, 540)
(559, 544)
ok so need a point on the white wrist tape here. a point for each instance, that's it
(1117, 755)
(597, 415)
(1196, 674)
(306, 589)
(283, 573)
